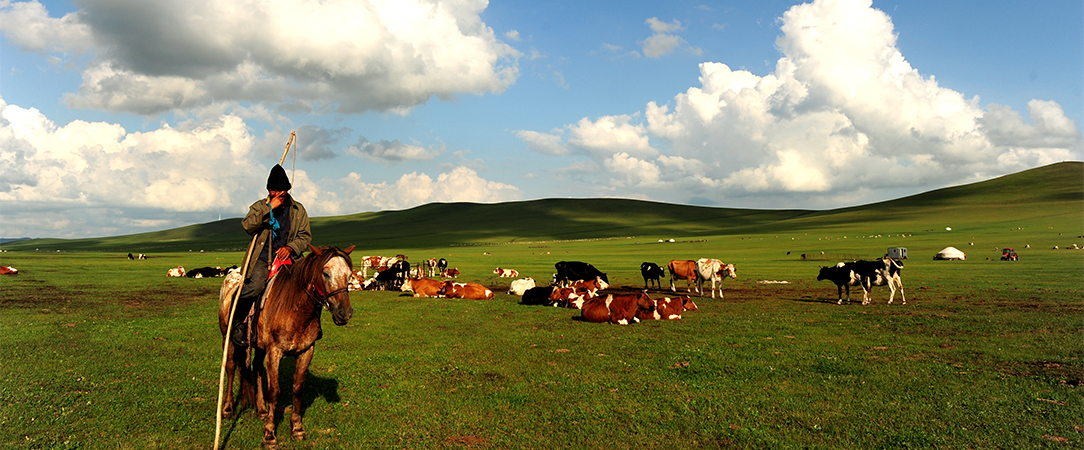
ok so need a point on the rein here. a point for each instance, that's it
(321, 299)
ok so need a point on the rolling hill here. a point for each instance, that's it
(1011, 200)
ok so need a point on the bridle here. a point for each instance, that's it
(320, 298)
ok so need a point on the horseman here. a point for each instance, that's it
(283, 228)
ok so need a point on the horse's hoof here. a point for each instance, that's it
(300, 435)
(227, 414)
(271, 445)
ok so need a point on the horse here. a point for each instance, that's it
(289, 324)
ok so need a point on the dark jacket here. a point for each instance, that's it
(256, 222)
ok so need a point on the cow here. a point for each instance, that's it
(569, 271)
(592, 287)
(450, 273)
(176, 272)
(206, 272)
(130, 257)
(682, 270)
(469, 291)
(714, 270)
(422, 287)
(880, 272)
(569, 297)
(520, 286)
(668, 309)
(393, 277)
(141, 256)
(652, 272)
(843, 276)
(377, 263)
(355, 280)
(506, 273)
(8, 270)
(442, 264)
(619, 309)
(537, 296)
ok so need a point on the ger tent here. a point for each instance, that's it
(950, 253)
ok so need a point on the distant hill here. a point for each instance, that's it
(1040, 192)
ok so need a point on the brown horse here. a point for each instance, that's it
(289, 324)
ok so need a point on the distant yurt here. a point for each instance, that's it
(950, 253)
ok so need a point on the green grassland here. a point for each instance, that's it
(103, 352)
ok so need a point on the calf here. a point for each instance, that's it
(176, 272)
(843, 276)
(619, 309)
(506, 273)
(569, 271)
(652, 272)
(355, 280)
(469, 291)
(518, 287)
(422, 287)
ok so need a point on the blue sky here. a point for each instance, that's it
(126, 116)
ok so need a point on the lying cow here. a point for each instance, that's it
(506, 273)
(450, 273)
(592, 287)
(714, 270)
(422, 287)
(570, 271)
(619, 309)
(652, 272)
(354, 284)
(569, 297)
(668, 309)
(537, 296)
(469, 291)
(518, 287)
(176, 272)
(206, 272)
(8, 270)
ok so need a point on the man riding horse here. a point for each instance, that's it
(283, 221)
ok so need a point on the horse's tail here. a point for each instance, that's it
(248, 387)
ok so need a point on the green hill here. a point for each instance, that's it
(1010, 201)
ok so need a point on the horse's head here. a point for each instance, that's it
(336, 270)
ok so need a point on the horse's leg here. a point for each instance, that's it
(301, 367)
(271, 362)
(231, 370)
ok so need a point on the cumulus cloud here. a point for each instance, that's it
(390, 151)
(664, 42)
(461, 184)
(843, 117)
(152, 57)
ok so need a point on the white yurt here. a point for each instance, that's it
(950, 253)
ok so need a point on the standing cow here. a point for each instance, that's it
(652, 272)
(714, 270)
(571, 271)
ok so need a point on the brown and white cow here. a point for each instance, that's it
(682, 270)
(355, 280)
(569, 297)
(450, 273)
(714, 270)
(592, 287)
(423, 287)
(619, 309)
(520, 286)
(469, 291)
(668, 308)
(506, 273)
(176, 272)
(8, 270)
(377, 263)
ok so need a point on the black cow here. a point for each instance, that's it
(537, 296)
(205, 272)
(572, 271)
(843, 276)
(393, 277)
(442, 265)
(652, 271)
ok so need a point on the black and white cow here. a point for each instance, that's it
(571, 271)
(880, 272)
(843, 276)
(652, 272)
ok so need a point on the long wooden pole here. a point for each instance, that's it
(229, 321)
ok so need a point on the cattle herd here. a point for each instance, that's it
(577, 285)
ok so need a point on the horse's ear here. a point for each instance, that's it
(349, 249)
(315, 250)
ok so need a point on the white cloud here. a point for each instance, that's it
(461, 184)
(544, 143)
(663, 42)
(382, 55)
(842, 118)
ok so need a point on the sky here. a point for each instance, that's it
(131, 116)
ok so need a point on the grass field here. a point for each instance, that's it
(102, 352)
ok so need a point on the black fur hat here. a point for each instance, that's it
(278, 181)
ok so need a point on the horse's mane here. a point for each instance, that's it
(293, 280)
